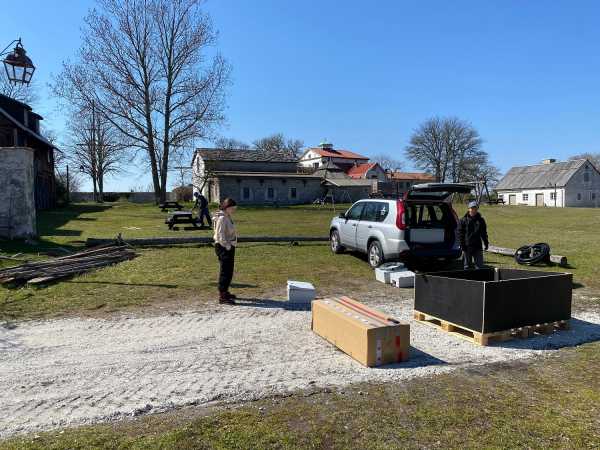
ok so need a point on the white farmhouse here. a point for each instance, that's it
(556, 184)
(324, 155)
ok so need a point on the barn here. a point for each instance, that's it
(574, 183)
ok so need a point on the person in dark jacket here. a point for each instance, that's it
(203, 211)
(472, 233)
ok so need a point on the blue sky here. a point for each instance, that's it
(365, 74)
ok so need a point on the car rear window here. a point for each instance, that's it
(426, 215)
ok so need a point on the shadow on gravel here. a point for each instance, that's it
(272, 304)
(418, 358)
(581, 332)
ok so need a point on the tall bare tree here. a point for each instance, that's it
(449, 148)
(387, 162)
(279, 143)
(230, 144)
(146, 66)
(94, 146)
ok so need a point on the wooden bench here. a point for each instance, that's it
(170, 205)
(178, 217)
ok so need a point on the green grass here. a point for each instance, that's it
(542, 403)
(186, 275)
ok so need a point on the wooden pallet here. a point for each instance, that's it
(485, 338)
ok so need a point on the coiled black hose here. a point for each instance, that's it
(533, 254)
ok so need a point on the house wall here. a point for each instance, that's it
(307, 190)
(311, 158)
(529, 199)
(582, 191)
(376, 172)
(17, 193)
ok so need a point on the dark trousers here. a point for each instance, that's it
(226, 261)
(205, 213)
(473, 258)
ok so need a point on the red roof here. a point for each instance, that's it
(338, 153)
(360, 170)
(411, 176)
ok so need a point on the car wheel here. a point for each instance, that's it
(334, 241)
(375, 254)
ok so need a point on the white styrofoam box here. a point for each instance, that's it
(402, 279)
(300, 292)
(427, 235)
(382, 273)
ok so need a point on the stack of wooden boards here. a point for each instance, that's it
(42, 272)
(369, 336)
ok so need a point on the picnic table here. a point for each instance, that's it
(170, 205)
(177, 217)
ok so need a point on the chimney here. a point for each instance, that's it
(548, 161)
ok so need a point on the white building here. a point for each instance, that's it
(324, 155)
(573, 183)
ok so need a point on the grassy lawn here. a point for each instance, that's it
(551, 403)
(186, 275)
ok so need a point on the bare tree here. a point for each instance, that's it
(387, 162)
(143, 64)
(230, 144)
(23, 93)
(447, 147)
(594, 158)
(279, 143)
(94, 146)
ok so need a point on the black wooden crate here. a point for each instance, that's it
(490, 300)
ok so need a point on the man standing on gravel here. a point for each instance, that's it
(472, 232)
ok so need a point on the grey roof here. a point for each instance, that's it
(540, 175)
(29, 131)
(240, 174)
(219, 154)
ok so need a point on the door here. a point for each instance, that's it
(539, 199)
(365, 225)
(512, 199)
(349, 226)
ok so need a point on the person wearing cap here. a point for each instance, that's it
(472, 233)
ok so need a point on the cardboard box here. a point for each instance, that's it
(382, 273)
(369, 336)
(404, 279)
(300, 292)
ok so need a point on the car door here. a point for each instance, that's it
(350, 224)
(365, 225)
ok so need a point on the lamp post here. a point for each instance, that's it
(18, 66)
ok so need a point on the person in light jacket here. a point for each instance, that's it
(225, 242)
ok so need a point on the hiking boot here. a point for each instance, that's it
(230, 296)
(224, 299)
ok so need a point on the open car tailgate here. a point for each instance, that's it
(437, 191)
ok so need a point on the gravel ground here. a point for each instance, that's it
(76, 371)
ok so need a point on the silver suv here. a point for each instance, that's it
(423, 224)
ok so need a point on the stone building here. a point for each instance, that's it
(253, 177)
(27, 181)
(573, 183)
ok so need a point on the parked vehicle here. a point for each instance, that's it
(421, 225)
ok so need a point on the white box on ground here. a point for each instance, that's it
(402, 279)
(382, 273)
(300, 292)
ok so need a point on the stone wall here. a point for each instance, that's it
(17, 193)
(269, 190)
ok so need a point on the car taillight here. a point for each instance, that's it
(400, 215)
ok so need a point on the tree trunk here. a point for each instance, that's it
(95, 189)
(101, 187)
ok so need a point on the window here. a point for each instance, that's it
(592, 196)
(382, 211)
(525, 197)
(370, 212)
(245, 193)
(293, 193)
(579, 196)
(500, 197)
(586, 174)
(316, 165)
(355, 212)
(552, 195)
(270, 193)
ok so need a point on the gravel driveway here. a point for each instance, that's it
(74, 371)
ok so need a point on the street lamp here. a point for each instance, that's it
(18, 66)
